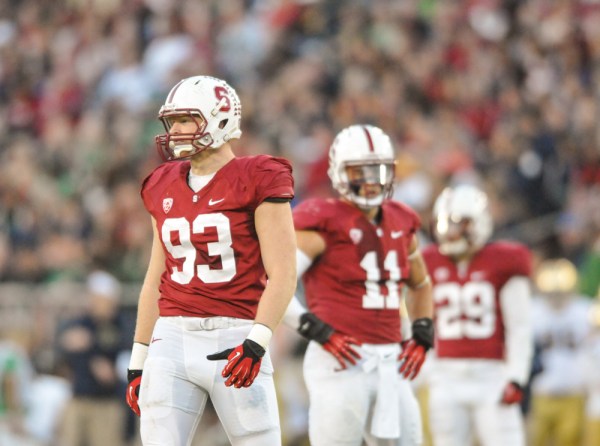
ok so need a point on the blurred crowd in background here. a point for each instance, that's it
(503, 94)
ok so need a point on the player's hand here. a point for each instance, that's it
(339, 345)
(412, 357)
(134, 377)
(414, 350)
(243, 363)
(512, 394)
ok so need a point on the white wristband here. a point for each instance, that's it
(261, 334)
(138, 356)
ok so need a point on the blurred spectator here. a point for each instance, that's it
(89, 346)
(498, 90)
(15, 376)
(50, 392)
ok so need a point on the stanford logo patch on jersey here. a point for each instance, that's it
(167, 205)
(355, 235)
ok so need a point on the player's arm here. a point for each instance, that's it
(419, 301)
(147, 315)
(310, 246)
(419, 304)
(515, 303)
(275, 230)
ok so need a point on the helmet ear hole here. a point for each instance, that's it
(223, 123)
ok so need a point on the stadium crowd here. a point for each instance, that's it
(501, 93)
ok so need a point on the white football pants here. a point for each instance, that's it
(464, 402)
(178, 379)
(369, 400)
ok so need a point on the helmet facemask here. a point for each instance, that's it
(212, 104)
(462, 222)
(367, 184)
(455, 235)
(173, 146)
(362, 166)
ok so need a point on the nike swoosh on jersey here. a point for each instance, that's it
(212, 202)
(397, 234)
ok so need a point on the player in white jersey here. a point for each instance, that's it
(561, 327)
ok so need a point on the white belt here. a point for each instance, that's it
(386, 415)
(206, 323)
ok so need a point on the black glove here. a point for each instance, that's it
(134, 378)
(339, 345)
(422, 332)
(243, 363)
(313, 328)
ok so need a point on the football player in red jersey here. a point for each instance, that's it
(483, 342)
(355, 255)
(222, 224)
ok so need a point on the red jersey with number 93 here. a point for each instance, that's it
(468, 314)
(213, 261)
(356, 284)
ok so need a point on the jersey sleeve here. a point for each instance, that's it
(273, 179)
(521, 261)
(408, 215)
(145, 191)
(415, 220)
(308, 216)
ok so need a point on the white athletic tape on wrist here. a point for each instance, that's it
(303, 262)
(261, 334)
(138, 356)
(425, 281)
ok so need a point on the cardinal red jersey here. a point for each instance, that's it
(468, 315)
(355, 285)
(213, 261)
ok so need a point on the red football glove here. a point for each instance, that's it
(340, 346)
(243, 363)
(412, 357)
(134, 377)
(512, 394)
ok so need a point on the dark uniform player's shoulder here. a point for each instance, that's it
(165, 170)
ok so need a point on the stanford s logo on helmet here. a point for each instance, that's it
(462, 220)
(366, 152)
(215, 107)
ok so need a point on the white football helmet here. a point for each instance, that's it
(362, 155)
(462, 220)
(216, 107)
